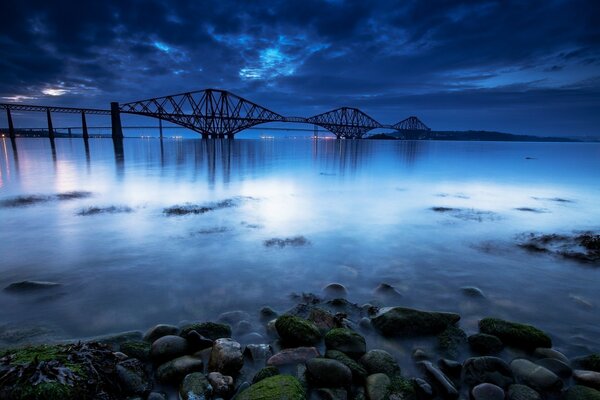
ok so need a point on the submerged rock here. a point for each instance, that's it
(444, 384)
(264, 373)
(578, 392)
(380, 361)
(160, 330)
(325, 372)
(279, 387)
(487, 391)
(485, 344)
(587, 378)
(399, 321)
(451, 340)
(346, 341)
(26, 286)
(295, 331)
(514, 334)
(472, 291)
(133, 377)
(295, 241)
(487, 369)
(590, 362)
(335, 290)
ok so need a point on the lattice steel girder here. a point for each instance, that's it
(209, 111)
(345, 122)
(411, 124)
(54, 109)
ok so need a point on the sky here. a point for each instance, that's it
(528, 67)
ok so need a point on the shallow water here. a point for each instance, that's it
(355, 212)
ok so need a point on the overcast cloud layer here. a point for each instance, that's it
(524, 67)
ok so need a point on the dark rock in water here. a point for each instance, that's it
(222, 384)
(578, 392)
(173, 371)
(359, 373)
(515, 334)
(451, 340)
(387, 291)
(295, 331)
(74, 195)
(291, 241)
(258, 353)
(487, 369)
(157, 396)
(402, 388)
(279, 387)
(450, 367)
(583, 247)
(487, 391)
(544, 352)
(187, 209)
(328, 372)
(423, 389)
(136, 348)
(197, 342)
(267, 314)
(24, 201)
(168, 347)
(522, 392)
(443, 384)
(226, 357)
(195, 386)
(210, 330)
(587, 378)
(380, 361)
(293, 356)
(419, 354)
(329, 394)
(535, 376)
(264, 373)
(133, 377)
(443, 209)
(472, 291)
(323, 319)
(25, 286)
(558, 367)
(94, 210)
(346, 341)
(158, 331)
(377, 387)
(400, 321)
(590, 362)
(335, 290)
(232, 317)
(485, 344)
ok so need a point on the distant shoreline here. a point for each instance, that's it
(485, 136)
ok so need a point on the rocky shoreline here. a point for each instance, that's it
(315, 350)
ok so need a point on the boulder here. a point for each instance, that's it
(158, 331)
(359, 373)
(558, 367)
(137, 349)
(522, 392)
(380, 361)
(264, 373)
(487, 369)
(514, 334)
(295, 331)
(209, 330)
(544, 352)
(378, 387)
(444, 385)
(279, 387)
(487, 391)
(578, 392)
(590, 362)
(485, 344)
(535, 376)
(325, 372)
(173, 371)
(133, 377)
(335, 290)
(400, 321)
(168, 347)
(226, 357)
(293, 356)
(346, 341)
(587, 378)
(195, 386)
(451, 340)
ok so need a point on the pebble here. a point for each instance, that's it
(534, 375)
(587, 378)
(487, 391)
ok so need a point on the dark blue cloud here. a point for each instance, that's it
(521, 66)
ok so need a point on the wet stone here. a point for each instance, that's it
(485, 344)
(487, 369)
(195, 386)
(133, 377)
(335, 290)
(587, 378)
(158, 331)
(558, 367)
(293, 356)
(226, 356)
(168, 347)
(346, 341)
(258, 353)
(443, 384)
(377, 387)
(380, 361)
(173, 371)
(535, 376)
(328, 373)
(522, 392)
(487, 391)
(544, 352)
(221, 384)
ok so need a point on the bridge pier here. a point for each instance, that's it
(84, 128)
(50, 128)
(205, 136)
(115, 118)
(11, 127)
(160, 128)
(229, 136)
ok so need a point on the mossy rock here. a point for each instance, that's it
(380, 361)
(295, 331)
(265, 373)
(137, 349)
(347, 341)
(451, 340)
(279, 387)
(211, 330)
(514, 334)
(589, 363)
(401, 321)
(485, 344)
(402, 388)
(579, 392)
(359, 373)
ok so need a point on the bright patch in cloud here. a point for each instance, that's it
(162, 47)
(54, 91)
(18, 98)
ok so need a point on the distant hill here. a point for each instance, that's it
(469, 135)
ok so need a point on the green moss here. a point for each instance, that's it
(346, 341)
(296, 331)
(279, 387)
(45, 391)
(578, 392)
(264, 373)
(590, 363)
(210, 330)
(138, 349)
(402, 388)
(359, 373)
(515, 334)
(450, 341)
(44, 352)
(401, 321)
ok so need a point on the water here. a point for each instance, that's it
(364, 208)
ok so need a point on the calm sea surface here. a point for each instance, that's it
(364, 209)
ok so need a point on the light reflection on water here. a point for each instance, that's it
(364, 206)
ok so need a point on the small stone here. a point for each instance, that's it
(173, 371)
(197, 342)
(295, 331)
(543, 352)
(158, 331)
(258, 353)
(359, 373)
(558, 367)
(133, 377)
(579, 392)
(487, 391)
(346, 341)
(387, 292)
(328, 372)
(522, 392)
(472, 291)
(487, 369)
(209, 330)
(335, 291)
(221, 384)
(233, 317)
(377, 387)
(380, 361)
(195, 386)
(587, 378)
(485, 344)
(534, 375)
(267, 314)
(226, 356)
(168, 347)
(293, 356)
(441, 381)
(157, 396)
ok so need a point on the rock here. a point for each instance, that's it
(279, 387)
(323, 319)
(258, 353)
(195, 386)
(119, 338)
(377, 387)
(359, 373)
(451, 340)
(264, 373)
(346, 341)
(387, 292)
(158, 331)
(380, 361)
(365, 324)
(578, 392)
(443, 384)
(221, 384)
(335, 291)
(590, 362)
(267, 314)
(173, 371)
(515, 334)
(243, 327)
(325, 372)
(133, 377)
(534, 375)
(210, 330)
(295, 331)
(543, 352)
(27, 286)
(450, 367)
(197, 342)
(400, 321)
(485, 344)
(558, 367)
(168, 347)
(329, 394)
(472, 291)
(233, 317)
(420, 355)
(487, 369)
(423, 389)
(402, 388)
(253, 338)
(226, 357)
(522, 392)
(136, 349)
(293, 356)
(587, 378)
(487, 391)
(157, 396)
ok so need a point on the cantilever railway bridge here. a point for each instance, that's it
(218, 113)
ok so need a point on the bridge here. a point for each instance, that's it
(217, 113)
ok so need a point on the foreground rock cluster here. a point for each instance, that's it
(316, 350)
